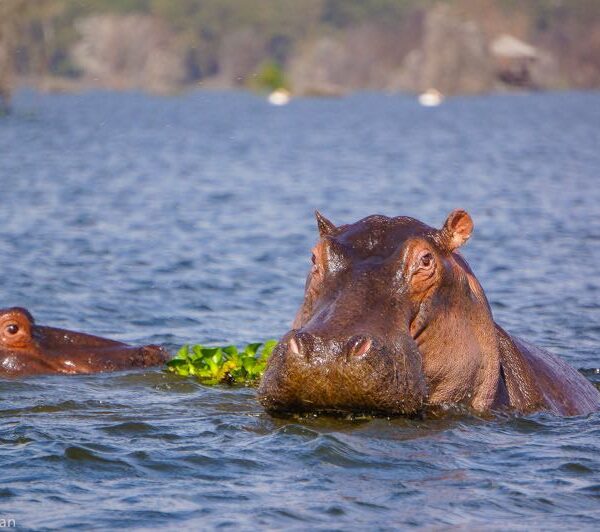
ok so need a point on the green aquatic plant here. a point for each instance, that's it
(223, 364)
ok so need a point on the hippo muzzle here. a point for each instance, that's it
(309, 373)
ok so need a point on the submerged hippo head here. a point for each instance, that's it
(392, 319)
(30, 349)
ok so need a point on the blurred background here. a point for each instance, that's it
(312, 47)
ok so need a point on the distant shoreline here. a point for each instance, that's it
(66, 86)
(316, 49)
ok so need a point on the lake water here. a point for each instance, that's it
(190, 219)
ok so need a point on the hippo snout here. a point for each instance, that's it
(357, 373)
(306, 346)
(153, 355)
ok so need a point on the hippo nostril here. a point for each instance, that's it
(300, 345)
(294, 347)
(359, 346)
(154, 355)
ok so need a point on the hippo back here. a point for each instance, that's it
(539, 380)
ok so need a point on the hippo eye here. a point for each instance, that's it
(12, 329)
(426, 260)
(314, 268)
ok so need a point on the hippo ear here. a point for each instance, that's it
(457, 229)
(326, 228)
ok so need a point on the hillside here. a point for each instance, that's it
(313, 46)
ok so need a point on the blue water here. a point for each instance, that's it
(189, 219)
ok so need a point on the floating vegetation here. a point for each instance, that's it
(223, 364)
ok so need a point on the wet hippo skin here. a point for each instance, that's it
(30, 349)
(395, 322)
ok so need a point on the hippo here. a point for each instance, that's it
(394, 322)
(30, 349)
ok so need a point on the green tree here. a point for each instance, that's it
(270, 76)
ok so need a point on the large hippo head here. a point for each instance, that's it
(392, 320)
(30, 349)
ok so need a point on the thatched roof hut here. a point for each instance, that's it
(509, 47)
(514, 60)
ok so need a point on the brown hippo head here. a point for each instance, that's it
(30, 349)
(392, 320)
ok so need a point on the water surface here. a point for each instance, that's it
(190, 219)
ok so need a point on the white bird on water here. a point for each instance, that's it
(280, 97)
(431, 98)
